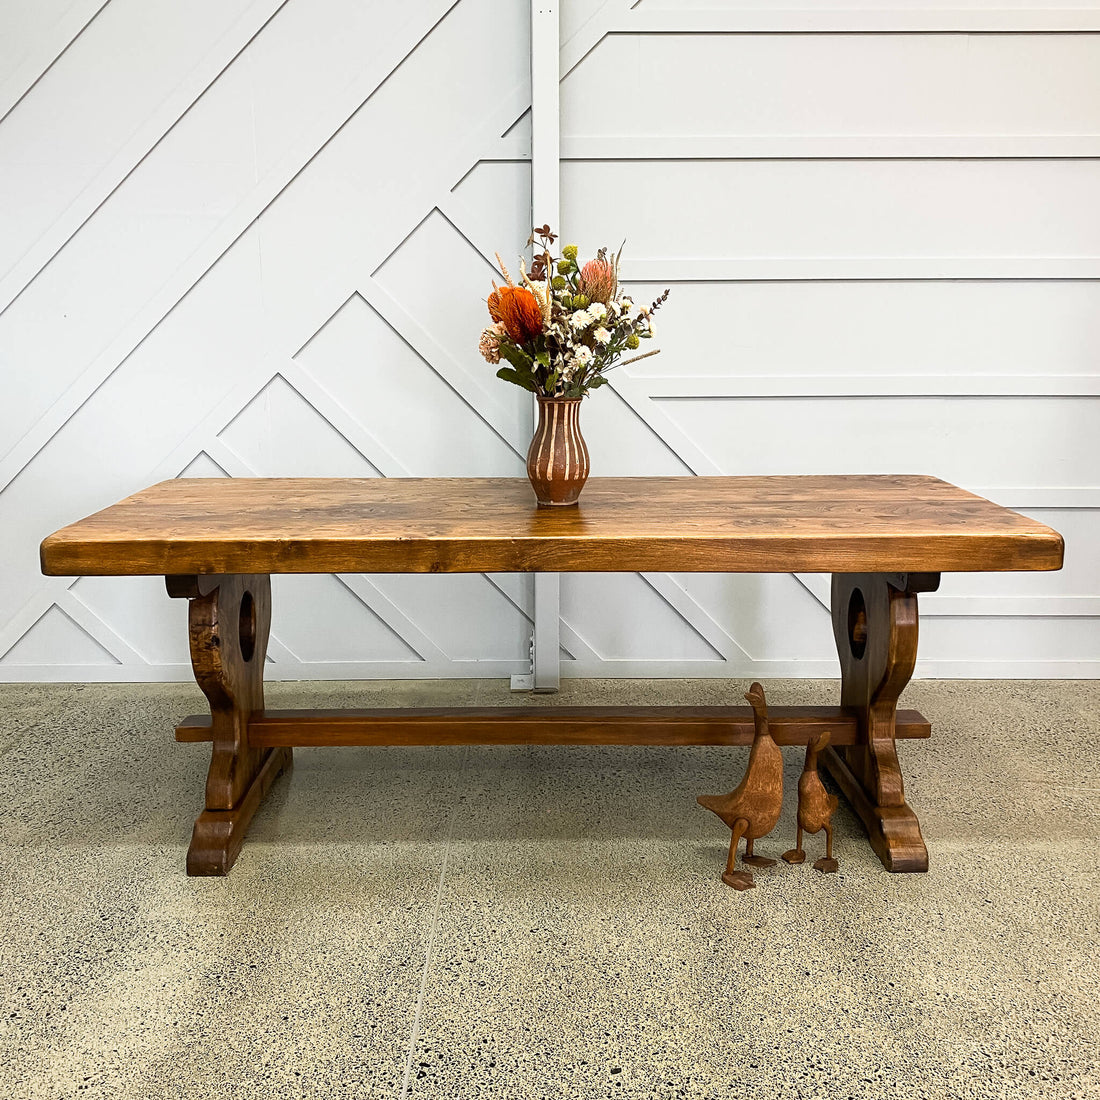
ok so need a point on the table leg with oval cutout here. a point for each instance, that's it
(875, 625)
(229, 621)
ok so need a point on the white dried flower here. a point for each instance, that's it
(489, 344)
(582, 356)
(598, 310)
(581, 319)
(602, 336)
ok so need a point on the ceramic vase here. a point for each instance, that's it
(557, 461)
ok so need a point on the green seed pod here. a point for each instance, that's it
(632, 341)
(580, 301)
(558, 283)
(564, 267)
(569, 251)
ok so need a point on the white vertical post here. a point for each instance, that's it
(545, 207)
(545, 127)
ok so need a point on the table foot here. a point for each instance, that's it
(795, 855)
(894, 831)
(826, 865)
(218, 834)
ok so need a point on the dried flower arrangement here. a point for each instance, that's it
(564, 325)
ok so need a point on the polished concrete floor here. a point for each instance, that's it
(542, 922)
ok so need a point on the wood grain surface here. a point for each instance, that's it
(837, 524)
(229, 623)
(875, 624)
(541, 725)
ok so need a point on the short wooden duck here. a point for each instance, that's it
(752, 810)
(815, 809)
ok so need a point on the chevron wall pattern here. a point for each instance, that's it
(251, 238)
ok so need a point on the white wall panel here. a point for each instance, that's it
(783, 333)
(766, 215)
(54, 633)
(969, 441)
(415, 412)
(254, 237)
(623, 443)
(770, 621)
(219, 314)
(280, 434)
(321, 620)
(831, 16)
(34, 33)
(895, 86)
(1069, 646)
(187, 201)
(138, 66)
(643, 624)
(883, 257)
(857, 9)
(158, 637)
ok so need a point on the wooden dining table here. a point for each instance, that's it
(884, 538)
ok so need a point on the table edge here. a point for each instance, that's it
(1029, 552)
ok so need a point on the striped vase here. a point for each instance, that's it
(557, 462)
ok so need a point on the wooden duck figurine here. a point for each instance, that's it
(815, 809)
(752, 810)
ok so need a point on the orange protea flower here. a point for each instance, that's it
(518, 310)
(597, 281)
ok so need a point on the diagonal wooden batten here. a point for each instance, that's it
(548, 726)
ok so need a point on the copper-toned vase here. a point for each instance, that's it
(557, 462)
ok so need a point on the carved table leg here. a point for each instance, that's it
(875, 624)
(229, 620)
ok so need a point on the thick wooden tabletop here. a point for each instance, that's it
(838, 524)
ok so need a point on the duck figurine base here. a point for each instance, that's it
(754, 860)
(739, 880)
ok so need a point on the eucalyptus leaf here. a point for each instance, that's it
(516, 356)
(519, 378)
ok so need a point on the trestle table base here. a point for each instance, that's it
(875, 625)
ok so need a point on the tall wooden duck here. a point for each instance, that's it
(815, 809)
(752, 810)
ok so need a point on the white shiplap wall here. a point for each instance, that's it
(253, 237)
(880, 227)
